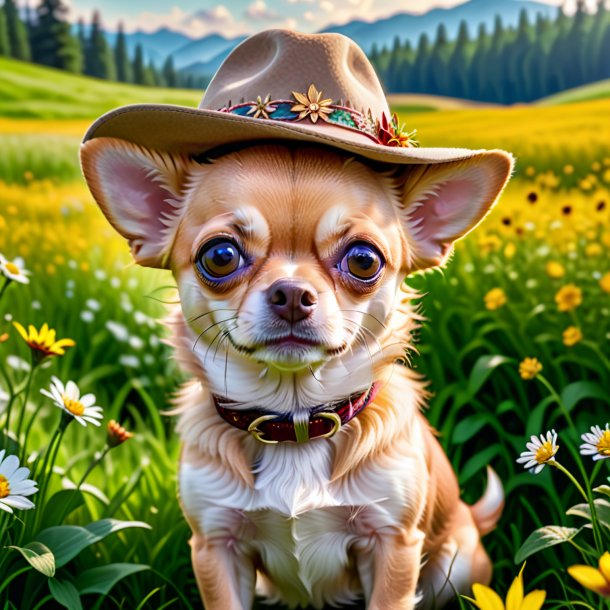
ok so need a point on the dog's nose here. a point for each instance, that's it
(292, 300)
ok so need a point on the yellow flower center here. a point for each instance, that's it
(12, 268)
(314, 107)
(603, 447)
(546, 452)
(74, 406)
(5, 489)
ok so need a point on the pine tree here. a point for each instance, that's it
(458, 83)
(51, 38)
(98, 57)
(121, 58)
(555, 76)
(421, 82)
(519, 82)
(439, 59)
(139, 75)
(478, 67)
(496, 82)
(169, 73)
(5, 48)
(393, 72)
(17, 32)
(151, 76)
(576, 40)
(600, 23)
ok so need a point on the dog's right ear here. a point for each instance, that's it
(139, 191)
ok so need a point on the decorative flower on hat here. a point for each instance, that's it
(390, 133)
(261, 108)
(312, 105)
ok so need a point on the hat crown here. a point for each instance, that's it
(278, 62)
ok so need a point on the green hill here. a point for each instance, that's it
(593, 91)
(32, 91)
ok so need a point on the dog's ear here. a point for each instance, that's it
(139, 191)
(443, 202)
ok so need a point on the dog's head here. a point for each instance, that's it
(286, 258)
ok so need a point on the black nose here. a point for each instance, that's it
(292, 300)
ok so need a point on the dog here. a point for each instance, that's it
(308, 473)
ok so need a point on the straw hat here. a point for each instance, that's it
(281, 85)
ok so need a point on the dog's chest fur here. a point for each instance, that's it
(310, 535)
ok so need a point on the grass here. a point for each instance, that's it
(31, 91)
(593, 91)
(84, 286)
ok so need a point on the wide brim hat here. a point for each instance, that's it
(281, 85)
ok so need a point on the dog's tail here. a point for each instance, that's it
(487, 510)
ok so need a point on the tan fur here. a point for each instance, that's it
(296, 210)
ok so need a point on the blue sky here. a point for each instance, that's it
(233, 17)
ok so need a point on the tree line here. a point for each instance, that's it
(508, 65)
(44, 36)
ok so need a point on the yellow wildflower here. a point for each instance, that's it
(489, 243)
(593, 249)
(510, 250)
(42, 342)
(495, 299)
(568, 169)
(555, 270)
(604, 283)
(571, 336)
(529, 368)
(568, 297)
(487, 599)
(596, 579)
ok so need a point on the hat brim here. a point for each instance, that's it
(194, 131)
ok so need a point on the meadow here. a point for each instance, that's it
(533, 281)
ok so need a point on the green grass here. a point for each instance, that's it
(32, 91)
(593, 91)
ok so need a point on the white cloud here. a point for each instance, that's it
(326, 6)
(309, 16)
(259, 10)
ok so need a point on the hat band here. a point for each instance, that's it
(310, 107)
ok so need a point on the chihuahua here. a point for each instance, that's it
(308, 473)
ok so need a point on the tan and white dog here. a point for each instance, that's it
(308, 472)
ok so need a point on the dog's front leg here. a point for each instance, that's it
(396, 562)
(225, 576)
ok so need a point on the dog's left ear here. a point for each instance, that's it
(443, 202)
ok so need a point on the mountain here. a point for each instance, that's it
(204, 50)
(410, 26)
(156, 45)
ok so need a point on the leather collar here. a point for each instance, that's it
(270, 428)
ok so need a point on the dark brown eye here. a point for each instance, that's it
(219, 258)
(363, 262)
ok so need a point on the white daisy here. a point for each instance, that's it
(540, 452)
(14, 484)
(68, 398)
(597, 443)
(14, 270)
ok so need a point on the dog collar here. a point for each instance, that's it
(269, 428)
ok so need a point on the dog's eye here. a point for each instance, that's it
(219, 258)
(363, 262)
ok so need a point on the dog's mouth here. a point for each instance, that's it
(289, 351)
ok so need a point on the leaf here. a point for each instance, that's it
(478, 462)
(482, 369)
(102, 579)
(603, 489)
(467, 428)
(602, 508)
(572, 394)
(67, 541)
(542, 538)
(39, 556)
(65, 593)
(60, 505)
